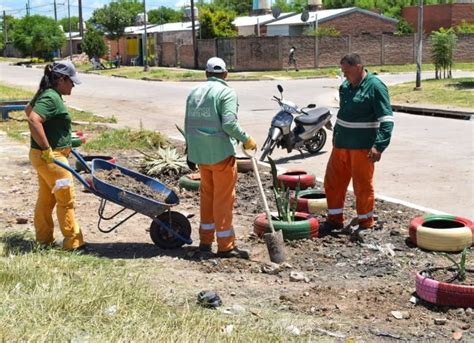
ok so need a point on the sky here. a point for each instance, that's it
(17, 8)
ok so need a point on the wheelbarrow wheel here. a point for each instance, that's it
(164, 239)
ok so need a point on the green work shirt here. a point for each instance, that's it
(57, 121)
(211, 126)
(365, 117)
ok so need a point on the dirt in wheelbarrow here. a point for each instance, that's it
(333, 288)
(118, 179)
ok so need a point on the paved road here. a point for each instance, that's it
(430, 161)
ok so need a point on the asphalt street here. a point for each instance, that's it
(430, 162)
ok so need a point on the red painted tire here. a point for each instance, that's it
(306, 226)
(310, 201)
(292, 178)
(443, 293)
(442, 232)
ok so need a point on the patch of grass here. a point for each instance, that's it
(51, 295)
(412, 68)
(14, 93)
(452, 92)
(125, 139)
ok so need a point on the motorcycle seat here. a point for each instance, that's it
(314, 116)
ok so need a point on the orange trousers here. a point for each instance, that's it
(343, 165)
(217, 196)
(50, 195)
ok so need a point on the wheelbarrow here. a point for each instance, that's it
(168, 229)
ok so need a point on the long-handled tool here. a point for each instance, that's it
(273, 239)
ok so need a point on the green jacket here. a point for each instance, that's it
(211, 126)
(365, 117)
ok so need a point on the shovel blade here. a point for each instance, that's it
(275, 246)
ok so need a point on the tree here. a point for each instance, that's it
(112, 19)
(9, 24)
(216, 22)
(404, 27)
(64, 22)
(238, 6)
(443, 43)
(93, 43)
(164, 15)
(465, 27)
(38, 36)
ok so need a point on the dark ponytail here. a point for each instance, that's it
(49, 80)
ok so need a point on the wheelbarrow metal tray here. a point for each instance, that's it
(128, 199)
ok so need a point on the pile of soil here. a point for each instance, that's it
(120, 180)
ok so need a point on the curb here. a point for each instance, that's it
(434, 112)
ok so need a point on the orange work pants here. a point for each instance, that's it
(343, 165)
(217, 195)
(50, 196)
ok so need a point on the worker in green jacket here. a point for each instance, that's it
(212, 134)
(362, 133)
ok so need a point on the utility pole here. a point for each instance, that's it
(70, 28)
(28, 8)
(56, 19)
(81, 23)
(145, 40)
(195, 48)
(5, 32)
(419, 46)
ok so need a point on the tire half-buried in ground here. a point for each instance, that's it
(190, 182)
(441, 232)
(292, 178)
(304, 226)
(310, 201)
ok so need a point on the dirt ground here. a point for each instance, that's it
(338, 289)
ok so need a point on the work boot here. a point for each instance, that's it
(235, 252)
(327, 227)
(205, 247)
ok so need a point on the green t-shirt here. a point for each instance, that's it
(57, 120)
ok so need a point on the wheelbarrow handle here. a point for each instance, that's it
(75, 173)
(81, 160)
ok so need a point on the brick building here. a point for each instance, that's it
(348, 21)
(437, 16)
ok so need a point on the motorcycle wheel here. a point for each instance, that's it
(268, 150)
(316, 143)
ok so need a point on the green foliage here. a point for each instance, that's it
(443, 43)
(126, 139)
(166, 161)
(459, 266)
(163, 15)
(8, 22)
(322, 31)
(112, 19)
(286, 210)
(64, 22)
(241, 7)
(93, 43)
(404, 27)
(216, 22)
(38, 36)
(465, 27)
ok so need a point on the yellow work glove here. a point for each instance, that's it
(47, 155)
(250, 144)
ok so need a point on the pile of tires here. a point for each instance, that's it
(190, 182)
(305, 226)
(442, 232)
(292, 179)
(312, 201)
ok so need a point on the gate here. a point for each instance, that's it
(226, 50)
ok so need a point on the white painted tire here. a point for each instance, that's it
(442, 233)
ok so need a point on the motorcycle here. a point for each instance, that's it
(308, 132)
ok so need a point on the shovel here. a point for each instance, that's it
(273, 239)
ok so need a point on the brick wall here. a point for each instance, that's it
(271, 53)
(437, 16)
(358, 23)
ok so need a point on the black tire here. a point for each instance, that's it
(268, 150)
(177, 222)
(317, 142)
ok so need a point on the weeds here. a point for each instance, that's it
(460, 266)
(285, 207)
